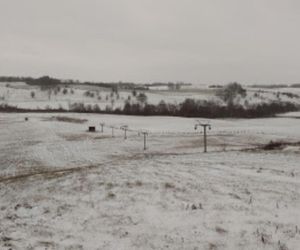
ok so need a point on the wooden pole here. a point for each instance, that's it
(112, 132)
(102, 125)
(205, 141)
(204, 125)
(125, 135)
(145, 140)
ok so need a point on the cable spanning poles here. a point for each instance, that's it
(126, 129)
(204, 125)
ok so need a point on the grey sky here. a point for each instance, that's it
(199, 41)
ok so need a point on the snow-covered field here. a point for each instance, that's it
(64, 188)
(32, 97)
(20, 95)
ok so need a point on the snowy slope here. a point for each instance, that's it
(64, 188)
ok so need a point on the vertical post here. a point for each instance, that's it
(145, 139)
(125, 128)
(102, 125)
(112, 132)
(204, 125)
(205, 142)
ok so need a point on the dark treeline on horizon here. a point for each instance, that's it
(50, 81)
(46, 81)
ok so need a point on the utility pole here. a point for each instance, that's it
(125, 128)
(112, 131)
(205, 126)
(102, 125)
(145, 139)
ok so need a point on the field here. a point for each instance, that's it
(25, 96)
(62, 187)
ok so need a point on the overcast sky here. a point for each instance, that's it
(199, 41)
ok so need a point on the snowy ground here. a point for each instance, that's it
(64, 188)
(20, 95)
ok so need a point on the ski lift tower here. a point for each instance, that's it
(145, 134)
(204, 125)
(125, 128)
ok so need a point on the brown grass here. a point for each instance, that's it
(80, 137)
(66, 119)
(169, 185)
(220, 230)
(111, 195)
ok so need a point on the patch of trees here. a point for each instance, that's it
(290, 95)
(9, 109)
(269, 86)
(89, 94)
(209, 109)
(215, 86)
(230, 92)
(44, 82)
(171, 85)
(142, 98)
(188, 108)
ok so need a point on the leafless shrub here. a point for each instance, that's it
(134, 184)
(212, 246)
(109, 185)
(169, 185)
(220, 230)
(111, 195)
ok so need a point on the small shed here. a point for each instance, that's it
(92, 129)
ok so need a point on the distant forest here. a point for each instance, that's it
(48, 82)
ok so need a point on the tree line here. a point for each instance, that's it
(188, 108)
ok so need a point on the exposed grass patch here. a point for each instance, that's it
(169, 185)
(220, 230)
(80, 137)
(212, 246)
(279, 145)
(134, 184)
(109, 185)
(111, 195)
(67, 119)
